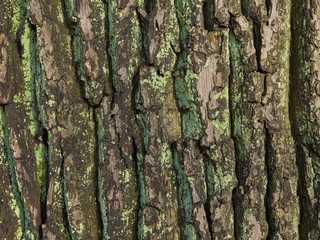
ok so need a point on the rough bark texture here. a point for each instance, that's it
(160, 119)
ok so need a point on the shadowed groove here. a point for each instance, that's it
(23, 210)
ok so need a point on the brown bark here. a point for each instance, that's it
(151, 119)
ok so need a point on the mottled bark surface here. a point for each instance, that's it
(160, 119)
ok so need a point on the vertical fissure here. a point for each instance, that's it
(111, 48)
(27, 44)
(142, 198)
(41, 135)
(299, 158)
(232, 127)
(184, 195)
(44, 181)
(269, 7)
(23, 210)
(190, 121)
(296, 57)
(139, 151)
(245, 8)
(295, 116)
(140, 143)
(257, 43)
(210, 189)
(139, 156)
(209, 14)
(99, 139)
(268, 196)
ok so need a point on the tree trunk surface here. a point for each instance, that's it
(160, 119)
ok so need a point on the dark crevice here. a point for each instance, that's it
(237, 191)
(136, 105)
(139, 145)
(45, 138)
(99, 156)
(306, 219)
(111, 50)
(268, 165)
(41, 135)
(235, 213)
(44, 180)
(233, 137)
(314, 155)
(297, 43)
(18, 41)
(210, 190)
(268, 197)
(264, 92)
(185, 204)
(37, 79)
(209, 181)
(140, 131)
(139, 151)
(139, 179)
(208, 14)
(143, 26)
(245, 8)
(149, 4)
(257, 44)
(306, 154)
(64, 197)
(269, 7)
(173, 149)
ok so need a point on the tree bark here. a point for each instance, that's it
(153, 119)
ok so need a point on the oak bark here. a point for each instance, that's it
(153, 119)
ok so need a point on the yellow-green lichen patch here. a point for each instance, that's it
(20, 204)
(27, 94)
(222, 123)
(153, 87)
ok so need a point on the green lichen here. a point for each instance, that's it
(100, 131)
(40, 155)
(191, 124)
(19, 10)
(210, 178)
(62, 188)
(143, 122)
(235, 93)
(27, 95)
(185, 78)
(149, 231)
(69, 7)
(143, 196)
(157, 84)
(23, 210)
(184, 198)
(223, 123)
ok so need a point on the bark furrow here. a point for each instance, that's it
(151, 119)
